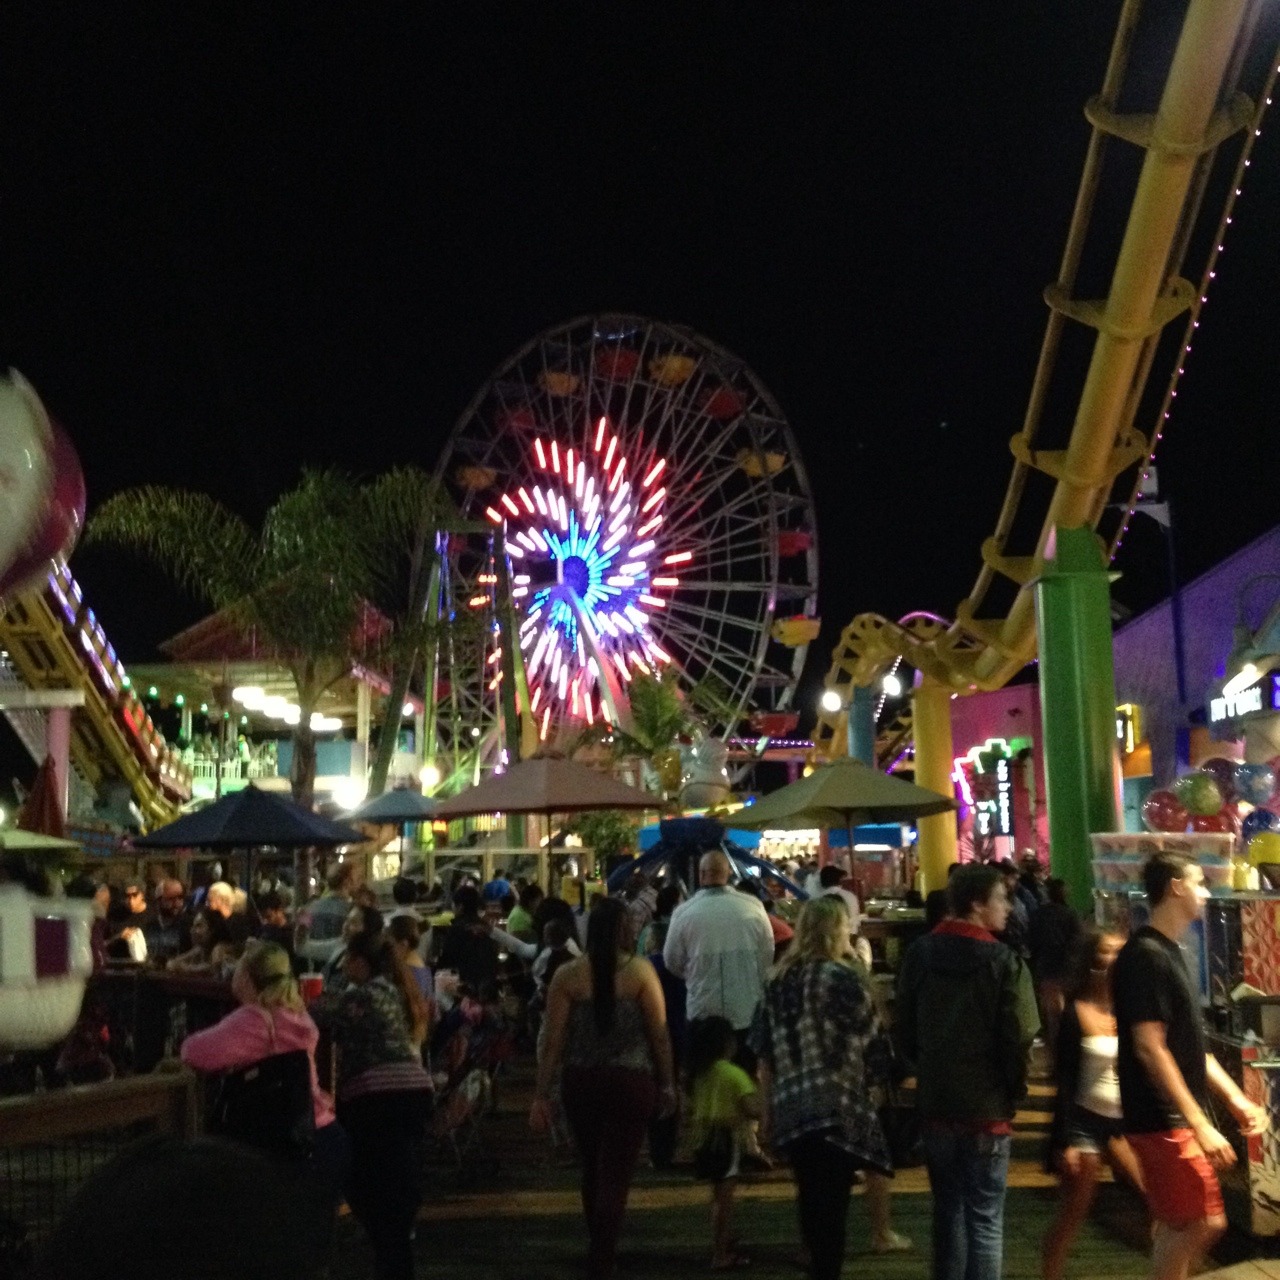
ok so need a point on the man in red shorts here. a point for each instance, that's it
(1166, 1071)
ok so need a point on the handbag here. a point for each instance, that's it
(900, 1122)
(714, 1157)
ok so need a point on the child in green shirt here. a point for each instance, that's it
(723, 1099)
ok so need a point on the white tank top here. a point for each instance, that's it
(1099, 1086)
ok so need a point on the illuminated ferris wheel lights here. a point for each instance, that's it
(493, 515)
(645, 529)
(652, 501)
(641, 549)
(510, 506)
(542, 454)
(620, 663)
(535, 699)
(653, 602)
(568, 465)
(493, 657)
(546, 718)
(521, 579)
(516, 551)
(600, 430)
(519, 593)
(654, 472)
(477, 601)
(555, 457)
(608, 457)
(540, 500)
(665, 582)
(621, 580)
(636, 616)
(680, 557)
(528, 501)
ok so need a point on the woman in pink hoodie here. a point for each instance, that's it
(271, 1019)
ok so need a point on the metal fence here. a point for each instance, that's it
(51, 1142)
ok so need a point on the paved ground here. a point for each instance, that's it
(513, 1214)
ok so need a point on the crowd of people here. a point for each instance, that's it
(705, 1026)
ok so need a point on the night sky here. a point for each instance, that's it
(238, 239)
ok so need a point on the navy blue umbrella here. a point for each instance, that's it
(249, 819)
(399, 805)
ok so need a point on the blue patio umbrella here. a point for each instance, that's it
(250, 819)
(396, 806)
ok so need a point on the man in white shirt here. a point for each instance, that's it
(721, 944)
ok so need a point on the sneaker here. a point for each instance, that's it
(892, 1242)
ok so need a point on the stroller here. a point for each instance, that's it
(468, 1048)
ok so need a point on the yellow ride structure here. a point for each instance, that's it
(1069, 483)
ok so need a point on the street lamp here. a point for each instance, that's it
(891, 685)
(831, 702)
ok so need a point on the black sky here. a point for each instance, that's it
(242, 238)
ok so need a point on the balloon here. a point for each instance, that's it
(1223, 822)
(36, 458)
(1264, 847)
(1255, 782)
(25, 471)
(1162, 811)
(1224, 774)
(1199, 792)
(1257, 821)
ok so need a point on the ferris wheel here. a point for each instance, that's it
(647, 501)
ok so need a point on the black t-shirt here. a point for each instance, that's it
(1150, 983)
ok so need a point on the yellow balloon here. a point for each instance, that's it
(1264, 847)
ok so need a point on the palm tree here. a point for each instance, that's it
(300, 579)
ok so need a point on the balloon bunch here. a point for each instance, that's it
(1208, 799)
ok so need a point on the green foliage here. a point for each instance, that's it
(610, 832)
(659, 715)
(299, 580)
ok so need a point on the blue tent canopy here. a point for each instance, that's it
(682, 841)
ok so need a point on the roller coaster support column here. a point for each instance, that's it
(1078, 703)
(862, 724)
(935, 760)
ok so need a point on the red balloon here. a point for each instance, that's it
(1224, 773)
(1163, 811)
(60, 524)
(1223, 823)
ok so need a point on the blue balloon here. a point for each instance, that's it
(1254, 782)
(1258, 821)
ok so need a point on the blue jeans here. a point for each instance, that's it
(967, 1175)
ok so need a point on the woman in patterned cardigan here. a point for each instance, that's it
(821, 1053)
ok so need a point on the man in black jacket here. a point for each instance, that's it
(965, 1017)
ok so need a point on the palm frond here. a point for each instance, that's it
(203, 545)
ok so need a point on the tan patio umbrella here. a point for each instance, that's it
(843, 793)
(547, 786)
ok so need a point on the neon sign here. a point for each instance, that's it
(1262, 695)
(985, 779)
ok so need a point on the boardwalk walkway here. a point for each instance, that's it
(520, 1220)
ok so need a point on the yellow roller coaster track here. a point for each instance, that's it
(1200, 107)
(54, 642)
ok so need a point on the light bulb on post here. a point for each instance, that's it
(350, 792)
(831, 702)
(429, 776)
(891, 685)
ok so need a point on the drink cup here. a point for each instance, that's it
(311, 985)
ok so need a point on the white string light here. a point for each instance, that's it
(1193, 315)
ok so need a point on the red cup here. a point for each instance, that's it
(311, 985)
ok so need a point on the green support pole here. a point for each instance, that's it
(1078, 703)
(862, 724)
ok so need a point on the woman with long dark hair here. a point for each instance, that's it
(1087, 1121)
(379, 1020)
(606, 1026)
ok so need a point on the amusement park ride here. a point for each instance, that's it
(648, 508)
